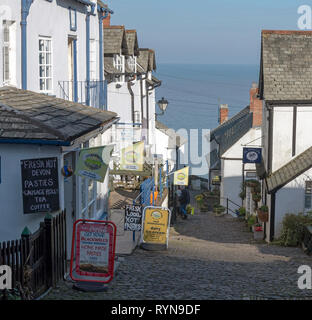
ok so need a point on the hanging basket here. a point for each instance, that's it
(263, 216)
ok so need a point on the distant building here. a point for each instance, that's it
(226, 144)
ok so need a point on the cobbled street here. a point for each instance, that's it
(209, 257)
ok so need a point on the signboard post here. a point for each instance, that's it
(40, 185)
(155, 228)
(93, 254)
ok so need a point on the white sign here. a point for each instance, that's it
(5, 277)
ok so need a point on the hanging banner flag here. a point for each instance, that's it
(132, 157)
(155, 225)
(252, 155)
(181, 177)
(93, 162)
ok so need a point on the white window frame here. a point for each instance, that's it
(132, 63)
(119, 64)
(10, 46)
(93, 75)
(45, 65)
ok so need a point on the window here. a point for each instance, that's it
(45, 65)
(308, 195)
(119, 62)
(132, 63)
(9, 52)
(73, 19)
(92, 60)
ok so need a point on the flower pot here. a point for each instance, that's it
(263, 216)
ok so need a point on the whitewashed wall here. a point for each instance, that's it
(51, 19)
(232, 167)
(13, 220)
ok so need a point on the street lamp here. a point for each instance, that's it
(163, 104)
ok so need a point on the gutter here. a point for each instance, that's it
(36, 141)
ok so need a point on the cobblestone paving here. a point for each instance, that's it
(208, 258)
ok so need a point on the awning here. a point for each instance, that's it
(290, 171)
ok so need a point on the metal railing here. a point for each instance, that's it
(228, 202)
(91, 93)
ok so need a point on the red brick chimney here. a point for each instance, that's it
(255, 106)
(106, 21)
(223, 113)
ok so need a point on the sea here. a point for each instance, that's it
(194, 93)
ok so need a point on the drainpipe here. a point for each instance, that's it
(132, 100)
(103, 14)
(272, 216)
(89, 13)
(88, 58)
(25, 12)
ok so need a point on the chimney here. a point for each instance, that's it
(255, 106)
(106, 21)
(223, 113)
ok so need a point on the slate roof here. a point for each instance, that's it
(132, 47)
(286, 65)
(174, 138)
(147, 59)
(290, 171)
(114, 39)
(142, 60)
(29, 115)
(109, 66)
(217, 133)
(228, 133)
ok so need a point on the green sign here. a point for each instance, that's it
(93, 162)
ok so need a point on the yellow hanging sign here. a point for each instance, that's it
(181, 177)
(93, 162)
(132, 157)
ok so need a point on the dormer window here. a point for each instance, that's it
(132, 63)
(119, 64)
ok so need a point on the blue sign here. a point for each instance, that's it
(252, 155)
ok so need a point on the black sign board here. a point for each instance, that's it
(133, 218)
(40, 185)
(252, 155)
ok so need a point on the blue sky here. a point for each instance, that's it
(205, 31)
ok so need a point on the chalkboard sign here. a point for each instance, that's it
(40, 185)
(133, 218)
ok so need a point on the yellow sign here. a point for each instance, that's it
(155, 225)
(181, 177)
(132, 157)
(93, 162)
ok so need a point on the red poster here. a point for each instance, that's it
(93, 251)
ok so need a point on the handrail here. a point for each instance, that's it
(227, 205)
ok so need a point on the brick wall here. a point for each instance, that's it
(255, 106)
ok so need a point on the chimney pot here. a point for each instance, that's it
(224, 113)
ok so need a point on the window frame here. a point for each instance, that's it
(46, 65)
(120, 66)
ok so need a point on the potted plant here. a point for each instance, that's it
(252, 183)
(252, 220)
(257, 231)
(241, 212)
(263, 213)
(256, 197)
(218, 209)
